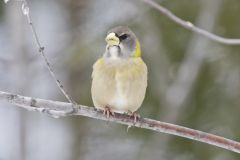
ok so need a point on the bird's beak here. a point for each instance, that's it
(112, 39)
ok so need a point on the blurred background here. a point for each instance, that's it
(193, 81)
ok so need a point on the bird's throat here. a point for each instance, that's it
(114, 52)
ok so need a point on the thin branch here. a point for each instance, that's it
(57, 109)
(25, 9)
(188, 25)
(178, 93)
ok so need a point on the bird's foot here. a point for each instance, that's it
(107, 111)
(135, 115)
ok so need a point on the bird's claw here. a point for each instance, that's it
(107, 111)
(135, 115)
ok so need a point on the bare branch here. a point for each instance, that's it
(178, 93)
(25, 9)
(188, 25)
(56, 109)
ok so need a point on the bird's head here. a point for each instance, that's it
(122, 43)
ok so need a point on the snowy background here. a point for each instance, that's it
(193, 81)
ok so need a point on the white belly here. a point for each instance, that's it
(119, 100)
(120, 103)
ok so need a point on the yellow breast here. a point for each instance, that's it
(120, 85)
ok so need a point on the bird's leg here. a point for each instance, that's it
(135, 115)
(107, 111)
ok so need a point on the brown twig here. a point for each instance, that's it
(188, 25)
(57, 109)
(25, 9)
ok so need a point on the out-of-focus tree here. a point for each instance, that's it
(73, 34)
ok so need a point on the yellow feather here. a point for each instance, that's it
(121, 85)
(138, 49)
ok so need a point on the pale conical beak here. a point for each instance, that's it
(112, 39)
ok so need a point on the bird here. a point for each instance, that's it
(119, 77)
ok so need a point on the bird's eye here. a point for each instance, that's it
(124, 36)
